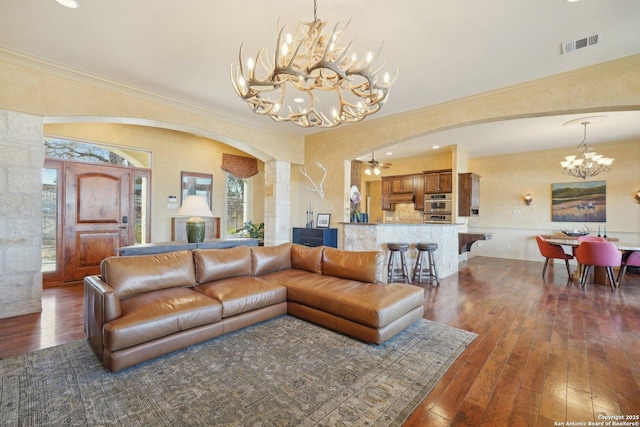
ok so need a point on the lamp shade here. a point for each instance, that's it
(195, 207)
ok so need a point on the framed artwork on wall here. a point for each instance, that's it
(323, 220)
(197, 184)
(579, 202)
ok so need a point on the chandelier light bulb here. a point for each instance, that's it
(369, 57)
(71, 4)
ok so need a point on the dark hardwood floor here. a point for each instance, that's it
(547, 351)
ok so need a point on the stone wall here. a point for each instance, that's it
(277, 202)
(367, 237)
(20, 213)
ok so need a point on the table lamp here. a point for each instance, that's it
(195, 207)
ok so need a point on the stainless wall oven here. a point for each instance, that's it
(437, 203)
(437, 218)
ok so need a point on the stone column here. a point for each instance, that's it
(20, 213)
(277, 202)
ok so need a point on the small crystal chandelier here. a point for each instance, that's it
(590, 164)
(330, 85)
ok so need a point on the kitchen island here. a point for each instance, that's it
(358, 236)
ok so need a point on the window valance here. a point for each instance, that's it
(239, 166)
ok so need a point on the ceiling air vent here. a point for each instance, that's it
(574, 45)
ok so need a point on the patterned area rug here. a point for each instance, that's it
(284, 372)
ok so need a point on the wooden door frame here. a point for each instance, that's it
(56, 278)
(51, 278)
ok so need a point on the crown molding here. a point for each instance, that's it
(66, 72)
(616, 66)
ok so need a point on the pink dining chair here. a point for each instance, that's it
(598, 254)
(581, 239)
(632, 260)
(591, 239)
(550, 251)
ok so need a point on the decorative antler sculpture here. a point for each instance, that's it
(316, 188)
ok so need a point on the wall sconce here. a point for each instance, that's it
(638, 196)
(527, 199)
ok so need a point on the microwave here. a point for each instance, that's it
(438, 196)
(437, 206)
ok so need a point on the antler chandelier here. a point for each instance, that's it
(589, 164)
(330, 85)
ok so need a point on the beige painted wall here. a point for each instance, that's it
(608, 86)
(172, 152)
(506, 179)
(36, 89)
(58, 96)
(61, 96)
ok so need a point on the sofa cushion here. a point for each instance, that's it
(364, 266)
(241, 294)
(133, 275)
(153, 315)
(374, 305)
(306, 258)
(265, 259)
(214, 264)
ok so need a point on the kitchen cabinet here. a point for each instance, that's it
(468, 194)
(386, 194)
(316, 236)
(403, 185)
(438, 181)
(418, 191)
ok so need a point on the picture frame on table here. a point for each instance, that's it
(324, 219)
(197, 184)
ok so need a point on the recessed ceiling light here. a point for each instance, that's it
(572, 1)
(71, 4)
(435, 147)
(388, 153)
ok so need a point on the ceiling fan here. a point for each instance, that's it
(374, 166)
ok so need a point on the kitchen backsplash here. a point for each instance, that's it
(404, 214)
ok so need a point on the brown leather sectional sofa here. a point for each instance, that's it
(141, 307)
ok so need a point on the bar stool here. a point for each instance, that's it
(431, 271)
(401, 273)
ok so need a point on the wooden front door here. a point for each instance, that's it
(97, 213)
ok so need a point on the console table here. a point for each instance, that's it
(158, 248)
(316, 236)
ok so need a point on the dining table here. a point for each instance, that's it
(599, 273)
